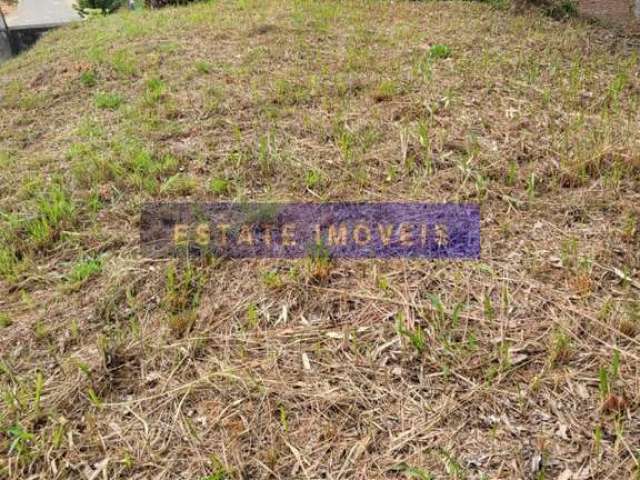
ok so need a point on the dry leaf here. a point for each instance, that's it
(614, 403)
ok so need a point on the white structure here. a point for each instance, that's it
(5, 42)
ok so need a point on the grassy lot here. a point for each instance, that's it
(521, 365)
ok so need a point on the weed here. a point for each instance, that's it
(383, 283)
(345, 140)
(630, 228)
(21, 442)
(386, 91)
(604, 386)
(179, 184)
(54, 210)
(214, 98)
(482, 185)
(219, 186)
(155, 91)
(497, 4)
(58, 435)
(284, 421)
(424, 138)
(453, 466)
(94, 398)
(438, 308)
(6, 159)
(267, 154)
(253, 316)
(108, 101)
(183, 287)
(503, 355)
(8, 262)
(203, 67)
(84, 270)
(569, 253)
(5, 320)
(597, 439)
(94, 202)
(531, 186)
(424, 68)
(413, 472)
(88, 79)
(487, 306)
(455, 314)
(219, 471)
(219, 475)
(617, 85)
(312, 179)
(55, 206)
(563, 10)
(560, 348)
(272, 279)
(74, 329)
(124, 63)
(40, 232)
(630, 322)
(140, 168)
(127, 461)
(439, 51)
(614, 368)
(289, 94)
(416, 336)
(37, 391)
(319, 262)
(40, 329)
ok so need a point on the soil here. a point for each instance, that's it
(620, 12)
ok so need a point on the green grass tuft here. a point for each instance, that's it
(439, 51)
(108, 101)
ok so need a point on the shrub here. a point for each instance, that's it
(86, 7)
(563, 9)
(558, 9)
(165, 3)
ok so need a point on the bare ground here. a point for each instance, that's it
(616, 12)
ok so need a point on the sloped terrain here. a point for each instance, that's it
(521, 365)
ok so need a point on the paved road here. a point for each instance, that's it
(42, 12)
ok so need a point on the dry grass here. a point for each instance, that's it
(522, 365)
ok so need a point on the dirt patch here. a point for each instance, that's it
(620, 12)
